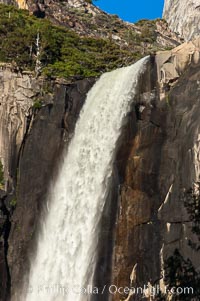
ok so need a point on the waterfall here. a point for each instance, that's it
(67, 243)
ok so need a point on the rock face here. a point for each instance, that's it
(183, 17)
(172, 64)
(4, 232)
(152, 217)
(31, 141)
(17, 93)
(155, 223)
(41, 151)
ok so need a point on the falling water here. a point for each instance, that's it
(67, 243)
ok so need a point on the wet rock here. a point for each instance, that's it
(40, 153)
(162, 164)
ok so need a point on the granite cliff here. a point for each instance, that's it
(183, 17)
(150, 226)
(156, 241)
(157, 166)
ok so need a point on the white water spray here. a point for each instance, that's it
(67, 245)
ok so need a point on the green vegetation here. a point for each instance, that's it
(192, 204)
(37, 104)
(62, 53)
(148, 30)
(180, 273)
(1, 176)
(167, 99)
(13, 202)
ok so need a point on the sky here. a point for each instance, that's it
(132, 10)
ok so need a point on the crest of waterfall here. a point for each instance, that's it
(67, 243)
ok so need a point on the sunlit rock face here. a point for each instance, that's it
(17, 92)
(183, 17)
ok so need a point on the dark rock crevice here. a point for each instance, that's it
(5, 225)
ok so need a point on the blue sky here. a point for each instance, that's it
(132, 10)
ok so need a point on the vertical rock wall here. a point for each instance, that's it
(17, 93)
(157, 224)
(41, 152)
(37, 119)
(155, 192)
(183, 17)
